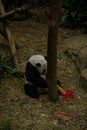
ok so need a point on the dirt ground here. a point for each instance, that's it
(24, 112)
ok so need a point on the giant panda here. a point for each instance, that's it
(35, 75)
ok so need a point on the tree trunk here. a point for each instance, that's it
(52, 51)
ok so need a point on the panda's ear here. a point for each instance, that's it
(46, 58)
(38, 64)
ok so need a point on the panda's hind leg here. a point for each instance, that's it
(31, 91)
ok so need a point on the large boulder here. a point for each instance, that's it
(76, 42)
(83, 79)
(81, 62)
(76, 49)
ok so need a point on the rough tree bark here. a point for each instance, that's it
(10, 38)
(53, 17)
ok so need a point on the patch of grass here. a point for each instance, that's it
(7, 125)
(7, 68)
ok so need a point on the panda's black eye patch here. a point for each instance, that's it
(38, 64)
(46, 58)
(44, 71)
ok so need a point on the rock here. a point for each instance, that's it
(81, 62)
(83, 79)
(76, 49)
(75, 43)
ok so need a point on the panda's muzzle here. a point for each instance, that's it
(44, 71)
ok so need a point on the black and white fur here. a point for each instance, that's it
(35, 75)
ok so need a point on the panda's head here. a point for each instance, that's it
(40, 63)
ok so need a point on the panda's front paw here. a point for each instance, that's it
(42, 90)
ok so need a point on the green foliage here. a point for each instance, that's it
(7, 125)
(7, 68)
